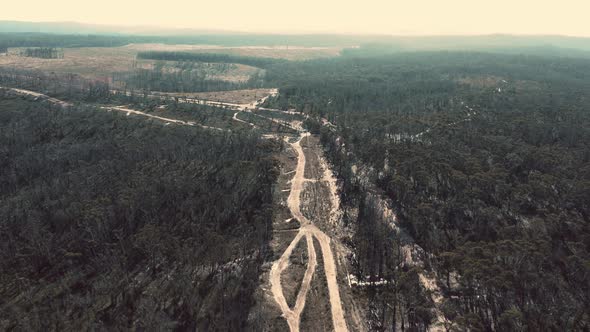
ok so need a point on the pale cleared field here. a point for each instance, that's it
(92, 63)
(277, 52)
(99, 63)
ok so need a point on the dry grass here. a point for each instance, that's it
(92, 63)
(99, 63)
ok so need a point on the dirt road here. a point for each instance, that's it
(309, 231)
(38, 95)
(221, 104)
(167, 120)
(235, 118)
(123, 109)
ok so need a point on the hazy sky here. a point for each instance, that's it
(569, 17)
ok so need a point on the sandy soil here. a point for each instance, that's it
(429, 283)
(320, 200)
(293, 315)
(330, 180)
(309, 230)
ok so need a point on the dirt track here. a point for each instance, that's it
(167, 120)
(39, 95)
(235, 118)
(239, 107)
(309, 230)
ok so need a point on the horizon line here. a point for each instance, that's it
(167, 30)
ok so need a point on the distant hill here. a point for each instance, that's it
(527, 44)
(99, 29)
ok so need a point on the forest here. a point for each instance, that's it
(67, 86)
(109, 222)
(182, 81)
(467, 168)
(42, 52)
(485, 160)
(30, 39)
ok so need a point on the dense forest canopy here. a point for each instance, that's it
(108, 221)
(485, 158)
(542, 49)
(113, 222)
(53, 40)
(329, 86)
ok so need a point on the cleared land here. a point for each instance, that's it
(245, 96)
(100, 63)
(277, 52)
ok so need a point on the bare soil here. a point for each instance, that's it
(319, 199)
(99, 63)
(309, 231)
(266, 315)
(316, 196)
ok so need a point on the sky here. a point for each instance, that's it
(397, 17)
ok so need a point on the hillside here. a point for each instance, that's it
(110, 222)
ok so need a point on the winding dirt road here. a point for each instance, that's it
(221, 104)
(309, 231)
(238, 107)
(235, 118)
